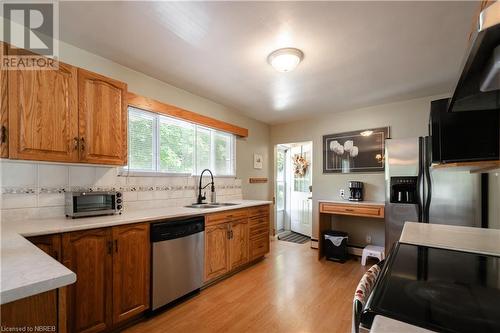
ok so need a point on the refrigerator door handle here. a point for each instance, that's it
(427, 181)
(420, 176)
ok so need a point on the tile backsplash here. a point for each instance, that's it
(36, 190)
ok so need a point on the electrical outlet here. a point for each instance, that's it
(342, 192)
(368, 239)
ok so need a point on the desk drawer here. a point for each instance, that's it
(351, 209)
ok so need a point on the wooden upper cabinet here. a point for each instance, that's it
(43, 114)
(238, 243)
(216, 251)
(131, 262)
(4, 106)
(102, 104)
(89, 255)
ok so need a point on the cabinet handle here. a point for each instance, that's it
(231, 234)
(56, 255)
(110, 247)
(116, 245)
(349, 210)
(3, 137)
(82, 144)
(75, 143)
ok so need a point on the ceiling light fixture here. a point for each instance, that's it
(286, 59)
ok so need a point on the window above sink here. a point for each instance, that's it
(161, 145)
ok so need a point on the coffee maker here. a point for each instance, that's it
(356, 191)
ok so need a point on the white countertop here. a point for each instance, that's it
(26, 270)
(383, 324)
(366, 202)
(468, 239)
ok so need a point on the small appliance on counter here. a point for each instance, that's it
(356, 191)
(83, 204)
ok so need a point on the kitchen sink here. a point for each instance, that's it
(214, 205)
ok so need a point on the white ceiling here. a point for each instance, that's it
(356, 53)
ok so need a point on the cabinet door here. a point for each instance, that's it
(4, 107)
(131, 267)
(89, 255)
(216, 250)
(43, 114)
(238, 244)
(102, 104)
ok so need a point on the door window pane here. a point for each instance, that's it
(280, 195)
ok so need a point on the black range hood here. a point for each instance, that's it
(478, 88)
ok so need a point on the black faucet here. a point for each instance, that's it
(203, 197)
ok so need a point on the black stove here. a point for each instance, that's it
(441, 290)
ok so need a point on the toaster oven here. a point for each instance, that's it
(82, 204)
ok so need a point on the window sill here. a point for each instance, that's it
(126, 173)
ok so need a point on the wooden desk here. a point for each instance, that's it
(327, 208)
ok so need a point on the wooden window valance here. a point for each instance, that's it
(149, 104)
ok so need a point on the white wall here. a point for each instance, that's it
(406, 119)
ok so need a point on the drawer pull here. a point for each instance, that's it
(349, 210)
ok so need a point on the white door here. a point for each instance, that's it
(301, 195)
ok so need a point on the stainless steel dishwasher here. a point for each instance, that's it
(178, 256)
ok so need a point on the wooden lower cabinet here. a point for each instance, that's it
(131, 267)
(259, 246)
(238, 243)
(37, 310)
(30, 312)
(89, 255)
(112, 266)
(232, 239)
(216, 250)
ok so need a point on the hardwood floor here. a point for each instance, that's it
(289, 291)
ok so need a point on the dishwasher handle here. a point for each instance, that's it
(172, 229)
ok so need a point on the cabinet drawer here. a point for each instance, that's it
(259, 220)
(258, 230)
(259, 246)
(227, 216)
(258, 211)
(354, 210)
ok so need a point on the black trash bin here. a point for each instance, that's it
(335, 250)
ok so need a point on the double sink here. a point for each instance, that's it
(211, 205)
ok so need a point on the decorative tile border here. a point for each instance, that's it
(131, 188)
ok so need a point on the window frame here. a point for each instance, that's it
(127, 171)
